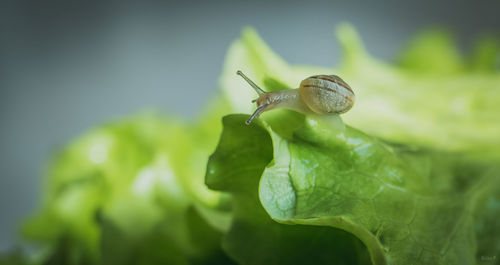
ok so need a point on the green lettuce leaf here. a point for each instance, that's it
(14, 257)
(488, 229)
(433, 52)
(254, 238)
(126, 190)
(432, 99)
(407, 206)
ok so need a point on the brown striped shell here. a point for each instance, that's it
(326, 94)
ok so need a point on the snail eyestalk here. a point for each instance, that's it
(256, 114)
(259, 90)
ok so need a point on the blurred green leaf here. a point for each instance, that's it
(13, 257)
(124, 191)
(486, 55)
(433, 52)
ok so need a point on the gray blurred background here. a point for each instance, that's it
(65, 67)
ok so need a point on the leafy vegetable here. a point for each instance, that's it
(411, 177)
(431, 101)
(402, 204)
(131, 192)
(414, 196)
(254, 238)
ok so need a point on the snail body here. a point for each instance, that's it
(319, 94)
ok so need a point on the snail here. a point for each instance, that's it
(318, 94)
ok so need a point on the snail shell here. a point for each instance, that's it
(326, 94)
